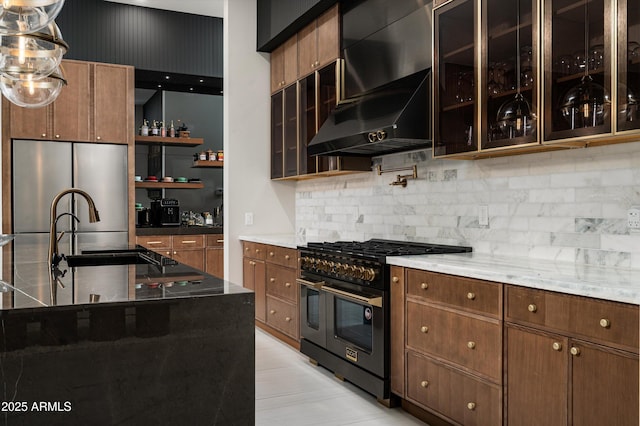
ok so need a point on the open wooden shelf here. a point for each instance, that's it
(170, 185)
(152, 140)
(206, 163)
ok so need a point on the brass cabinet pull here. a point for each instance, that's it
(220, 241)
(557, 346)
(188, 242)
(471, 296)
(271, 253)
(287, 257)
(605, 323)
(471, 406)
(175, 252)
(575, 351)
(287, 319)
(246, 249)
(287, 285)
(424, 383)
(154, 242)
(424, 286)
(471, 345)
(424, 329)
(168, 253)
(532, 308)
(44, 135)
(272, 312)
(273, 280)
(98, 138)
(395, 279)
(57, 136)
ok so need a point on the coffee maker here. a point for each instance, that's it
(165, 212)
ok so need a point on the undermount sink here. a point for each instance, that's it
(110, 257)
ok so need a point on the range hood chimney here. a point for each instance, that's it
(387, 82)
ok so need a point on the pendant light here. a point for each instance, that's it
(26, 16)
(32, 56)
(33, 93)
(514, 117)
(587, 103)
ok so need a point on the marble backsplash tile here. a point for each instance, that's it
(565, 205)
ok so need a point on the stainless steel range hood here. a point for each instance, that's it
(392, 118)
(387, 82)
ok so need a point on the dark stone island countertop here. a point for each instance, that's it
(165, 344)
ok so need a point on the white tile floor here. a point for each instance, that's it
(291, 391)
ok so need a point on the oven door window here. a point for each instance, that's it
(313, 309)
(353, 323)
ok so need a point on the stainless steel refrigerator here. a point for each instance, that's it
(41, 169)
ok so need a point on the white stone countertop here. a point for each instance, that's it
(620, 285)
(281, 240)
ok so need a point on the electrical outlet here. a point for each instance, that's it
(248, 218)
(483, 215)
(633, 218)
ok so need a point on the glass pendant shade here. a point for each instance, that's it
(32, 56)
(33, 93)
(26, 16)
(629, 111)
(586, 104)
(515, 118)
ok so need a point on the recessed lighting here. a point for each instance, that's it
(191, 88)
(159, 85)
(201, 81)
(167, 77)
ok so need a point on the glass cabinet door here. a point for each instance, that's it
(628, 65)
(327, 101)
(509, 70)
(577, 68)
(277, 135)
(455, 92)
(291, 130)
(308, 128)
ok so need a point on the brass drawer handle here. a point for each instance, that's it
(287, 319)
(287, 285)
(471, 296)
(575, 351)
(154, 242)
(424, 329)
(222, 241)
(424, 383)
(557, 346)
(532, 308)
(395, 279)
(257, 251)
(424, 286)
(287, 257)
(272, 312)
(273, 280)
(271, 253)
(605, 323)
(43, 135)
(471, 406)
(188, 242)
(246, 249)
(471, 345)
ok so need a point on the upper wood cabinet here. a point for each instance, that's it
(96, 105)
(284, 64)
(113, 103)
(319, 42)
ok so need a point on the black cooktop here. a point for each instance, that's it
(378, 247)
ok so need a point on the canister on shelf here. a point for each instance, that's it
(211, 155)
(203, 156)
(220, 155)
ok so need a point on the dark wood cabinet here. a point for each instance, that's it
(270, 271)
(319, 42)
(570, 360)
(214, 255)
(89, 108)
(284, 64)
(398, 326)
(200, 251)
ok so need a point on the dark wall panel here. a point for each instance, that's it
(280, 19)
(150, 39)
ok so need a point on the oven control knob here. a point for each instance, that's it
(338, 269)
(360, 273)
(353, 270)
(369, 274)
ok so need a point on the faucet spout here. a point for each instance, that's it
(54, 256)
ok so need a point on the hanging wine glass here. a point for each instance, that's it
(586, 104)
(515, 117)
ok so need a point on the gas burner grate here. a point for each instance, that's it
(385, 248)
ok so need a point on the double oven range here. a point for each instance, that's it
(344, 309)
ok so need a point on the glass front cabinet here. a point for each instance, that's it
(534, 75)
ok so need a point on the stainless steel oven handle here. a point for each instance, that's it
(373, 301)
(317, 285)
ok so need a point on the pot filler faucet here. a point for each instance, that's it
(55, 257)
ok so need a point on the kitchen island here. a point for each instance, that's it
(156, 342)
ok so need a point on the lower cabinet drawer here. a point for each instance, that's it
(449, 392)
(281, 282)
(472, 343)
(154, 242)
(188, 242)
(282, 316)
